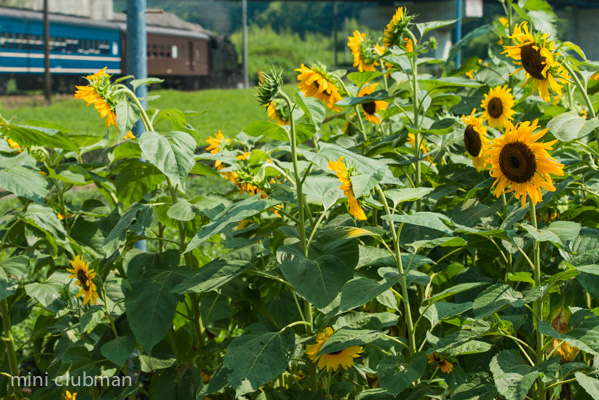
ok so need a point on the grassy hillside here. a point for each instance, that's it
(228, 110)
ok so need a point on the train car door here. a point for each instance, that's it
(191, 58)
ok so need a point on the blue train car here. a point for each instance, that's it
(78, 46)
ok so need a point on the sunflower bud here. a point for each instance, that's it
(395, 33)
(432, 43)
(269, 86)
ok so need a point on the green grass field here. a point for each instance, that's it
(228, 110)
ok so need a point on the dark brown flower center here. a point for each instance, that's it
(82, 276)
(472, 141)
(532, 61)
(495, 108)
(369, 108)
(517, 162)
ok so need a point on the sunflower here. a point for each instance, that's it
(316, 82)
(411, 141)
(96, 93)
(441, 362)
(69, 396)
(498, 105)
(394, 33)
(80, 270)
(332, 361)
(216, 144)
(14, 144)
(520, 163)
(371, 108)
(538, 59)
(361, 48)
(476, 140)
(278, 111)
(354, 207)
(129, 135)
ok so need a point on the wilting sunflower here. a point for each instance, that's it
(69, 396)
(316, 82)
(441, 362)
(476, 140)
(278, 112)
(332, 361)
(498, 105)
(395, 31)
(80, 270)
(371, 108)
(216, 144)
(538, 59)
(97, 93)
(560, 323)
(361, 49)
(354, 207)
(521, 164)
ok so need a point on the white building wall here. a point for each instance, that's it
(94, 9)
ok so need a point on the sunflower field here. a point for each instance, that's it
(405, 231)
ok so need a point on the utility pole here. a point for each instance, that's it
(47, 77)
(137, 61)
(246, 76)
(458, 31)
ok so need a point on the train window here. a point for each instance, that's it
(161, 51)
(115, 48)
(2, 40)
(197, 54)
(174, 51)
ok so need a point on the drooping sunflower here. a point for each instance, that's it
(521, 164)
(278, 112)
(361, 49)
(538, 59)
(395, 31)
(354, 207)
(96, 93)
(216, 144)
(441, 362)
(332, 361)
(372, 108)
(476, 140)
(316, 82)
(498, 105)
(80, 271)
(70, 396)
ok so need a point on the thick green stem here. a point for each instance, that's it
(538, 304)
(10, 348)
(416, 100)
(404, 280)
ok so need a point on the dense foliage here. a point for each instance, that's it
(390, 234)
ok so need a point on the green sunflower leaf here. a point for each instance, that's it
(344, 338)
(127, 114)
(117, 350)
(320, 278)
(591, 385)
(378, 95)
(151, 304)
(257, 357)
(172, 154)
(569, 126)
(396, 375)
